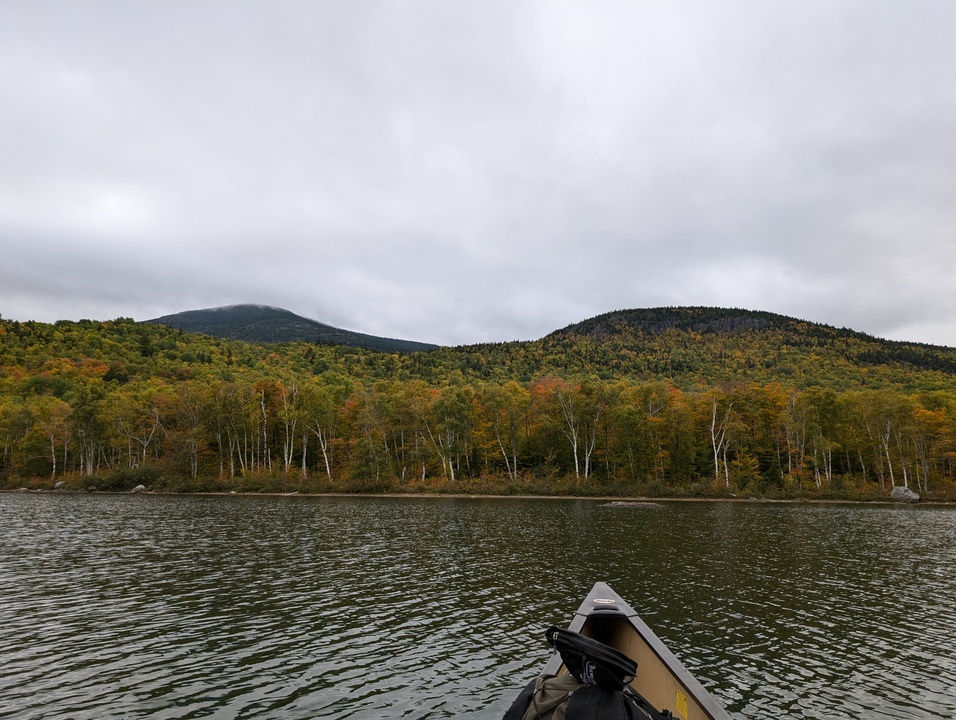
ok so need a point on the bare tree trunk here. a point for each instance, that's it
(591, 443)
(305, 451)
(885, 441)
(571, 433)
(718, 440)
(504, 453)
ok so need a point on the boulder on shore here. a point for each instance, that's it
(903, 494)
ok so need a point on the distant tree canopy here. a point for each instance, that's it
(686, 401)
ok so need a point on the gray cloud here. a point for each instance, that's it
(480, 171)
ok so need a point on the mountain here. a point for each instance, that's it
(699, 320)
(262, 323)
(714, 345)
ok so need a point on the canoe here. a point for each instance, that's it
(660, 678)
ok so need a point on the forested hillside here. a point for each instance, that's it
(677, 401)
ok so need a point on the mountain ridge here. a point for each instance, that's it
(678, 338)
(713, 343)
(709, 319)
(253, 322)
(266, 323)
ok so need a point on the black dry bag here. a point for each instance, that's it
(590, 661)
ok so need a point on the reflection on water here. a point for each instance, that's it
(297, 607)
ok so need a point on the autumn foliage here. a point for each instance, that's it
(609, 409)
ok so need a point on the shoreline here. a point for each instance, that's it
(481, 496)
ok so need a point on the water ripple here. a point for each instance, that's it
(235, 607)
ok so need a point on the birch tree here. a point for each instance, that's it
(321, 405)
(506, 407)
(50, 420)
(719, 439)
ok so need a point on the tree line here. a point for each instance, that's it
(552, 434)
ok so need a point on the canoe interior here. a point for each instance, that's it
(661, 678)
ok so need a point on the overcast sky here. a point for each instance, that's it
(458, 171)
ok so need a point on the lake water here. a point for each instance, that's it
(369, 607)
